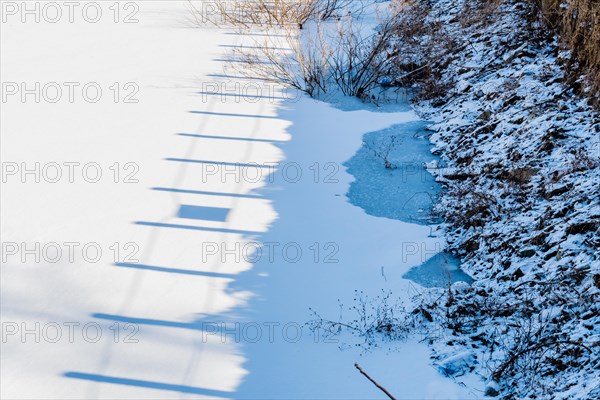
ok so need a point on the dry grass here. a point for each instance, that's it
(326, 56)
(423, 49)
(578, 22)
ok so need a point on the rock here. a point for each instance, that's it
(582, 227)
(492, 389)
(485, 116)
(471, 245)
(527, 253)
(518, 274)
(559, 191)
(522, 175)
(459, 177)
(511, 101)
(458, 364)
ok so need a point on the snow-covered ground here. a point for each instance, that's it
(520, 158)
(154, 316)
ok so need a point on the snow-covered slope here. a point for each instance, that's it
(521, 162)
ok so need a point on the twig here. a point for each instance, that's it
(373, 381)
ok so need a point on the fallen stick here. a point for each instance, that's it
(373, 381)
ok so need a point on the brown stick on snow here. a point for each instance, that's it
(373, 381)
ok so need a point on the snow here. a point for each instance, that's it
(527, 148)
(285, 290)
(181, 297)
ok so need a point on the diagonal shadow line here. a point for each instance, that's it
(242, 61)
(244, 96)
(233, 46)
(229, 138)
(238, 77)
(208, 327)
(230, 164)
(136, 283)
(196, 228)
(149, 321)
(234, 115)
(199, 351)
(175, 270)
(258, 34)
(147, 384)
(202, 192)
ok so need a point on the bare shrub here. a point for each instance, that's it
(301, 63)
(373, 320)
(358, 62)
(268, 13)
(334, 8)
(535, 348)
(271, 13)
(343, 55)
(325, 56)
(526, 342)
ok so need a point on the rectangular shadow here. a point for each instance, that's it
(203, 213)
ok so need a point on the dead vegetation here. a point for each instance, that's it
(578, 22)
(270, 13)
(323, 45)
(525, 342)
(263, 13)
(421, 51)
(327, 56)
